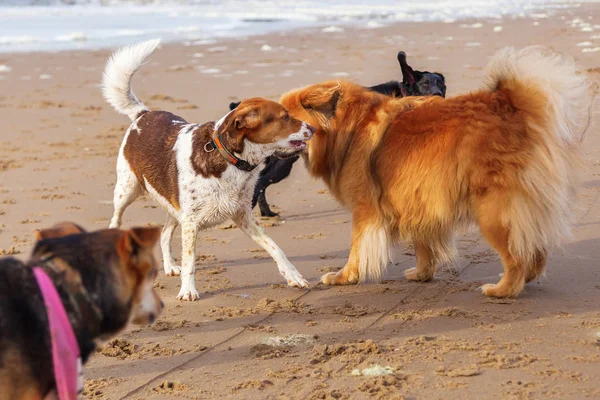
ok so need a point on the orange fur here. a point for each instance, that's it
(417, 169)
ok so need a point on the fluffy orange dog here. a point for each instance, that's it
(418, 169)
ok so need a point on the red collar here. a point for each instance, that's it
(217, 143)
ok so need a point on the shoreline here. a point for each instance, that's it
(132, 34)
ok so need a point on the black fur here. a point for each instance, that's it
(414, 83)
(418, 83)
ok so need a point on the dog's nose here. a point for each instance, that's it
(437, 93)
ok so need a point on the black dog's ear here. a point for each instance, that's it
(408, 75)
(233, 106)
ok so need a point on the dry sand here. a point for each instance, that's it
(250, 336)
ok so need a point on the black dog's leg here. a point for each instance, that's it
(265, 210)
(275, 171)
(258, 189)
(262, 182)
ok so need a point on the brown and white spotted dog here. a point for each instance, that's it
(201, 174)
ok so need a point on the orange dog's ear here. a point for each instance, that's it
(59, 230)
(323, 100)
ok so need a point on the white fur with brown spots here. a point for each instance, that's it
(202, 201)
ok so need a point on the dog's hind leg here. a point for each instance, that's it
(127, 190)
(246, 222)
(497, 234)
(165, 245)
(537, 266)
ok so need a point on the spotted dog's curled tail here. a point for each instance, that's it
(116, 80)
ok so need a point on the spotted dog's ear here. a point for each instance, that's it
(239, 119)
(59, 230)
(236, 125)
(247, 119)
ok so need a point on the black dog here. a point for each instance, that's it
(414, 83)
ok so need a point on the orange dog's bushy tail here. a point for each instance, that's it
(555, 101)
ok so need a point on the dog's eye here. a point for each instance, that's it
(285, 117)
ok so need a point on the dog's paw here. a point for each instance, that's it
(329, 278)
(413, 275)
(495, 290)
(294, 278)
(172, 270)
(189, 294)
(503, 289)
(490, 290)
(338, 278)
(297, 281)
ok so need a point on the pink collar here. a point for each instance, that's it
(65, 350)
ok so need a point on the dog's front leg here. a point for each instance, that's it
(369, 252)
(246, 222)
(189, 231)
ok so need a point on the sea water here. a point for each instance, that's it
(55, 25)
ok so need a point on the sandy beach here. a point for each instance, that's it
(250, 336)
